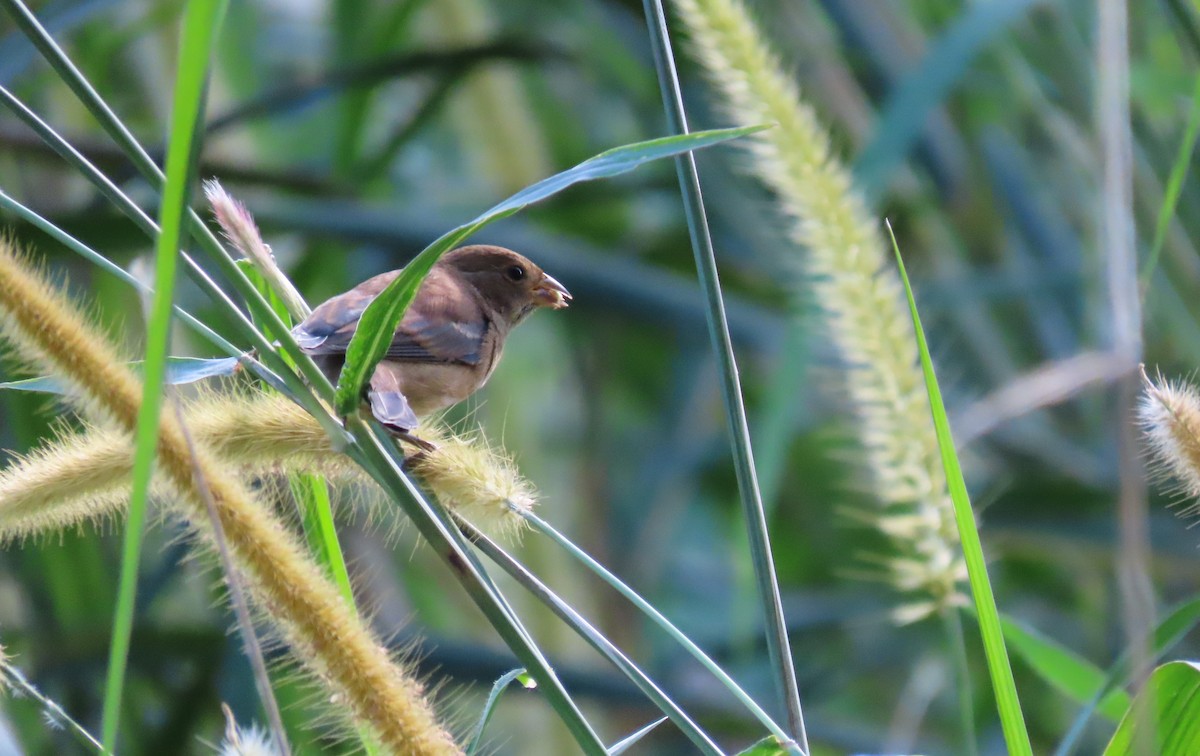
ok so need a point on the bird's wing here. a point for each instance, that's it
(444, 323)
(322, 331)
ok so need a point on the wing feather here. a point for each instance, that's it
(444, 323)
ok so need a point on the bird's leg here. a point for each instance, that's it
(412, 460)
(407, 437)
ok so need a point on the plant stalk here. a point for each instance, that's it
(778, 645)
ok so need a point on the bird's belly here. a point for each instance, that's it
(430, 388)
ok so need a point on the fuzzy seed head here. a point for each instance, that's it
(246, 741)
(310, 613)
(476, 480)
(238, 226)
(1169, 413)
(846, 268)
(83, 477)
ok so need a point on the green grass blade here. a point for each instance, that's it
(595, 639)
(1011, 720)
(310, 491)
(764, 747)
(1177, 624)
(1063, 668)
(489, 707)
(1179, 171)
(278, 306)
(657, 617)
(199, 29)
(378, 322)
(312, 494)
(778, 645)
(1165, 715)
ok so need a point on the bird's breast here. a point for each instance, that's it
(430, 387)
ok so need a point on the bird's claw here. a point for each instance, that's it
(407, 437)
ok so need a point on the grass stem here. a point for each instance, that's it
(778, 645)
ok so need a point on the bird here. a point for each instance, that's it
(450, 339)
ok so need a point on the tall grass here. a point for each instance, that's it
(199, 30)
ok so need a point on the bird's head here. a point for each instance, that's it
(509, 283)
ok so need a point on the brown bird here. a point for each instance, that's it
(450, 339)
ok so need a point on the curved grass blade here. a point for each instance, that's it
(1011, 720)
(628, 742)
(1063, 668)
(908, 107)
(1177, 624)
(201, 21)
(778, 645)
(179, 371)
(379, 320)
(1165, 715)
(489, 705)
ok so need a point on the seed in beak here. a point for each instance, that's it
(551, 293)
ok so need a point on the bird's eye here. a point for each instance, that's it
(515, 273)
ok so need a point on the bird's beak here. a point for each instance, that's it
(551, 293)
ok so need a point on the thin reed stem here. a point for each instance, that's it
(594, 638)
(778, 645)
